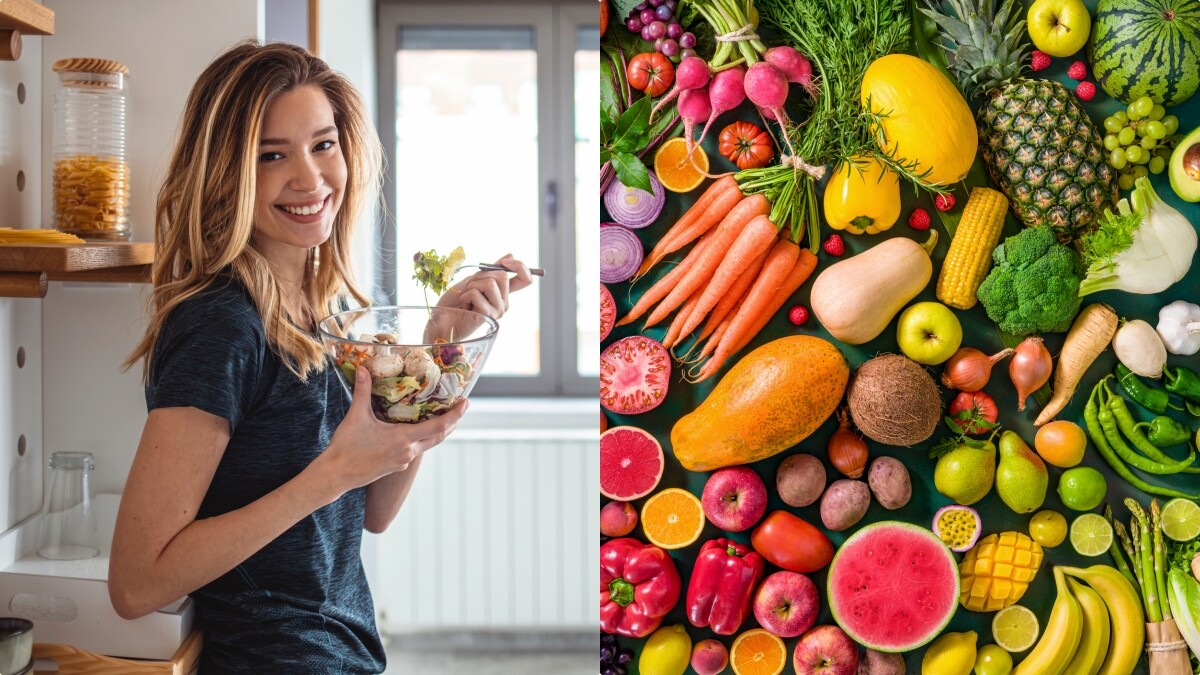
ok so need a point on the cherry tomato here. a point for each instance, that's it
(790, 542)
(745, 144)
(975, 407)
(651, 73)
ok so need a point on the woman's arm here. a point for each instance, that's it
(386, 495)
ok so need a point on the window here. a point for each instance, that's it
(488, 114)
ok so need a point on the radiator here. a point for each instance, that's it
(498, 533)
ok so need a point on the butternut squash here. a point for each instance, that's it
(856, 298)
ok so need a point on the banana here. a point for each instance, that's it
(1124, 611)
(1060, 638)
(1093, 644)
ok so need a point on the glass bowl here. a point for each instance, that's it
(423, 360)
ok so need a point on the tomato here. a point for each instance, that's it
(790, 542)
(745, 144)
(651, 73)
(973, 411)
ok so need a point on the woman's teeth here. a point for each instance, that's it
(304, 210)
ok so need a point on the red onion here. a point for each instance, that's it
(632, 207)
(1029, 368)
(621, 253)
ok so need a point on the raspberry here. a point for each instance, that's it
(1077, 71)
(919, 220)
(1085, 90)
(798, 315)
(944, 202)
(834, 245)
(1039, 60)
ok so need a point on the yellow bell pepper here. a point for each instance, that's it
(863, 195)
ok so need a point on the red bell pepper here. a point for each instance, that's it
(722, 584)
(638, 586)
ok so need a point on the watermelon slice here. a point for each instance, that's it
(634, 374)
(631, 463)
(608, 312)
(893, 586)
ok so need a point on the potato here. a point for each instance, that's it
(800, 480)
(880, 663)
(890, 483)
(844, 504)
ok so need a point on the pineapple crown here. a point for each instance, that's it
(988, 49)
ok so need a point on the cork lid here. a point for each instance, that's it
(92, 65)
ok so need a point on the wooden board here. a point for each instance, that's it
(74, 257)
(73, 661)
(27, 16)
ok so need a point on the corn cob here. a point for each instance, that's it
(970, 254)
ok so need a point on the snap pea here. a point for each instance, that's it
(1113, 429)
(1091, 420)
(1148, 396)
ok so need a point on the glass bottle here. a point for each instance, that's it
(91, 176)
(68, 523)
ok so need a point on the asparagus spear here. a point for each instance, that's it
(1160, 559)
(1140, 526)
(1115, 551)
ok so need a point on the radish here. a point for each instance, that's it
(692, 73)
(767, 87)
(726, 92)
(794, 66)
(693, 109)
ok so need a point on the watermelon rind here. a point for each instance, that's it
(907, 530)
(1136, 52)
(622, 496)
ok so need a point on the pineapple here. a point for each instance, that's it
(1039, 146)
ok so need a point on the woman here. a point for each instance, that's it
(256, 473)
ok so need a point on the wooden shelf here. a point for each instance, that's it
(27, 16)
(24, 270)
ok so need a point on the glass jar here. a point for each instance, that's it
(91, 176)
(68, 522)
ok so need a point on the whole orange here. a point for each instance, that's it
(1061, 443)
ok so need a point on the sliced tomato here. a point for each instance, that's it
(790, 542)
(651, 73)
(974, 412)
(608, 312)
(747, 145)
(634, 374)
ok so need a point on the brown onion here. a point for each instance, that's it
(847, 449)
(1029, 368)
(969, 369)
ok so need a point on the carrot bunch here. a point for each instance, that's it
(738, 275)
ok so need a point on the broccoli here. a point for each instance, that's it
(1034, 286)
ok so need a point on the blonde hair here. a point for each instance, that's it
(204, 217)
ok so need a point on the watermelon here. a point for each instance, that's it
(893, 586)
(631, 463)
(1147, 48)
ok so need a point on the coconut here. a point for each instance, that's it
(894, 401)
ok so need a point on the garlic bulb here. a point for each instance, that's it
(1140, 349)
(1179, 327)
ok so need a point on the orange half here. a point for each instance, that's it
(672, 518)
(675, 170)
(758, 652)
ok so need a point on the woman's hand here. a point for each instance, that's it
(486, 291)
(364, 449)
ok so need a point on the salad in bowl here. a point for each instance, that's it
(422, 360)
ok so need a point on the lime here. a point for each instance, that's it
(993, 660)
(1082, 488)
(1048, 528)
(1181, 519)
(1091, 535)
(1015, 628)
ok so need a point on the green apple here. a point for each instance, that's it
(1058, 27)
(928, 333)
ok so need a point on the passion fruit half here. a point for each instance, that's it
(958, 526)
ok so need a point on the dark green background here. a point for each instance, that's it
(978, 331)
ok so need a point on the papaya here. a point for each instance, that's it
(772, 399)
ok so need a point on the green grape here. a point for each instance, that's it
(1148, 142)
(1157, 112)
(1112, 125)
(1139, 172)
(1140, 127)
(1157, 164)
(1156, 130)
(1133, 153)
(1121, 117)
(1144, 105)
(1134, 115)
(1125, 181)
(1171, 123)
(1111, 142)
(1117, 158)
(1126, 136)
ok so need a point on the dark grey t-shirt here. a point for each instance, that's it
(300, 604)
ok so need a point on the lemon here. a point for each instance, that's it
(1082, 488)
(1048, 528)
(1091, 535)
(993, 660)
(951, 654)
(1181, 519)
(667, 652)
(1015, 628)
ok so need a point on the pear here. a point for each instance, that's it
(1021, 478)
(965, 472)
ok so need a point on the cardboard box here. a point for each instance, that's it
(67, 601)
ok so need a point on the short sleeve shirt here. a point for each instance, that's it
(300, 604)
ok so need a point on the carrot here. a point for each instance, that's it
(674, 331)
(661, 288)
(736, 292)
(757, 238)
(702, 267)
(716, 203)
(738, 336)
(1090, 334)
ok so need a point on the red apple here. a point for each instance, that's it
(617, 519)
(825, 650)
(734, 498)
(709, 657)
(786, 604)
